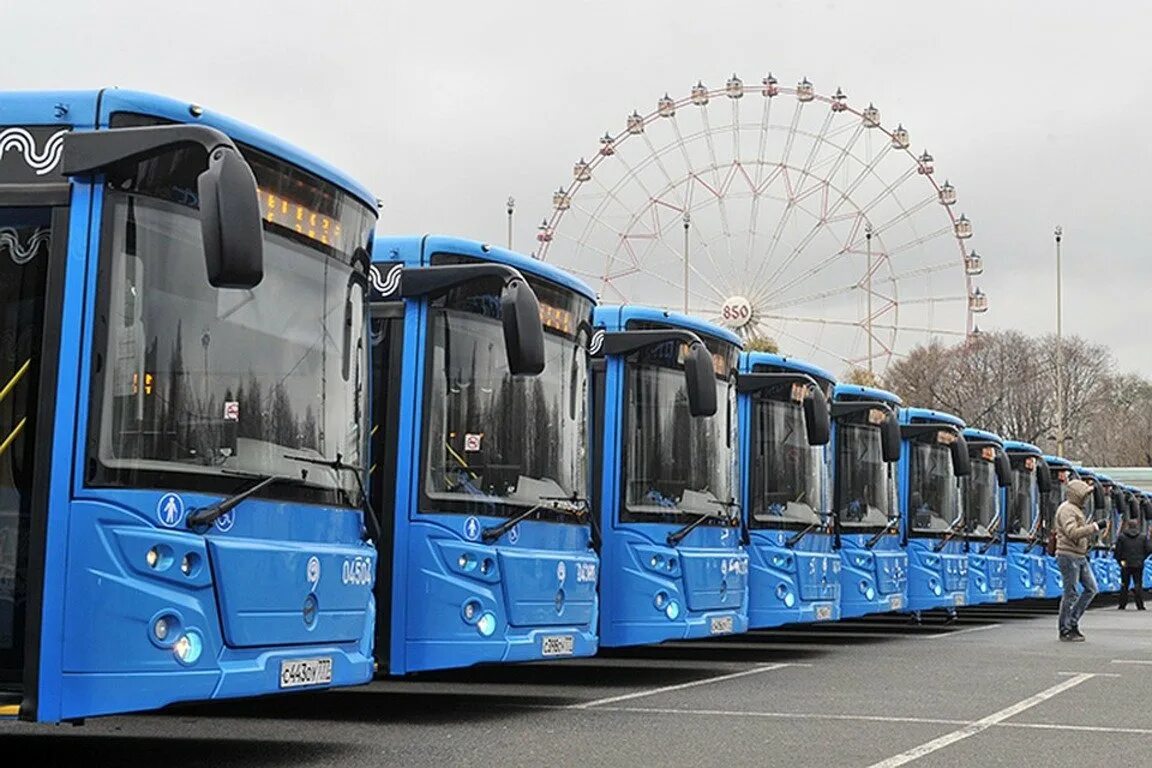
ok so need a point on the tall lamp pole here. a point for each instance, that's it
(687, 223)
(868, 288)
(1059, 233)
(511, 205)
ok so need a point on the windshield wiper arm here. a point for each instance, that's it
(956, 528)
(575, 506)
(339, 465)
(677, 536)
(892, 525)
(207, 515)
(795, 538)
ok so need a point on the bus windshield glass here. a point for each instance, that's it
(982, 498)
(786, 472)
(676, 463)
(201, 381)
(496, 443)
(1020, 503)
(933, 493)
(864, 482)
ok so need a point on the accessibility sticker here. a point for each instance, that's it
(170, 510)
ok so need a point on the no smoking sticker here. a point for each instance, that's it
(472, 442)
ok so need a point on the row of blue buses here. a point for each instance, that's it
(248, 446)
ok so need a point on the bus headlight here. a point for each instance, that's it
(188, 647)
(471, 610)
(672, 610)
(660, 600)
(160, 628)
(487, 624)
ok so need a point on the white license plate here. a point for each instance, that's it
(1001, 597)
(722, 625)
(896, 602)
(295, 673)
(823, 612)
(958, 599)
(557, 645)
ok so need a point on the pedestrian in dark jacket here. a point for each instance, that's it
(1131, 550)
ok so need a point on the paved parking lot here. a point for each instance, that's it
(994, 687)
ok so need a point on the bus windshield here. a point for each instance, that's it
(864, 482)
(1020, 503)
(200, 381)
(982, 498)
(497, 443)
(933, 493)
(677, 463)
(786, 471)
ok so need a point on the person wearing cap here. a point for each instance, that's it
(1073, 535)
(1132, 549)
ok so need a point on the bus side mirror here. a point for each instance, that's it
(700, 379)
(230, 221)
(1098, 495)
(523, 331)
(817, 417)
(890, 440)
(960, 463)
(1043, 477)
(1003, 469)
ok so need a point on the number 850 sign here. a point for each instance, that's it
(736, 312)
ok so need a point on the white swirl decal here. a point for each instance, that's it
(597, 342)
(22, 253)
(19, 140)
(389, 284)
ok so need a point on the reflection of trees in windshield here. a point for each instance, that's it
(863, 479)
(676, 462)
(786, 471)
(981, 497)
(201, 377)
(494, 438)
(933, 497)
(1020, 509)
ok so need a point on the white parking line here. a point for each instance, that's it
(983, 724)
(782, 715)
(1089, 728)
(981, 628)
(1132, 661)
(680, 687)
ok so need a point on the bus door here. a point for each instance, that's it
(33, 237)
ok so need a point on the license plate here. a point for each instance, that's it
(896, 602)
(722, 625)
(823, 612)
(958, 599)
(295, 673)
(1000, 596)
(557, 645)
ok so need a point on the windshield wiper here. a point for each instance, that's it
(339, 465)
(205, 516)
(677, 536)
(795, 538)
(892, 525)
(954, 529)
(993, 532)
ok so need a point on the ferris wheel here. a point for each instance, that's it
(779, 213)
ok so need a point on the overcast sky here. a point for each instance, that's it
(1037, 112)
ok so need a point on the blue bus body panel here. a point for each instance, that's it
(652, 592)
(786, 584)
(1027, 567)
(936, 578)
(988, 571)
(100, 599)
(872, 579)
(535, 584)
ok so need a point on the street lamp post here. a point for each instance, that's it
(511, 205)
(868, 289)
(1059, 233)
(687, 223)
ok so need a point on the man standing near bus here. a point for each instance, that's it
(1131, 550)
(1073, 534)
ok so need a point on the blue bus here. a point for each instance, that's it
(665, 477)
(865, 448)
(480, 471)
(934, 459)
(984, 518)
(183, 365)
(1062, 473)
(1027, 565)
(1144, 500)
(794, 570)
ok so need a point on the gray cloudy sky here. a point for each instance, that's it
(1037, 112)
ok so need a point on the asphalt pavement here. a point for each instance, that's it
(993, 687)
